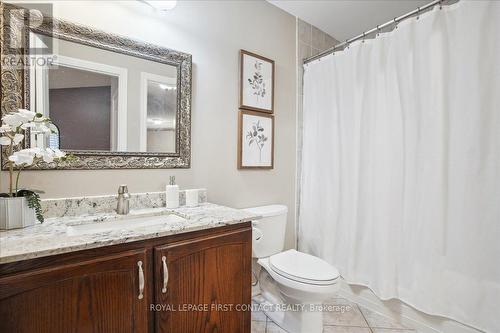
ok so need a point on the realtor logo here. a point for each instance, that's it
(22, 46)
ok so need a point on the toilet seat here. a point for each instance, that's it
(294, 279)
(303, 268)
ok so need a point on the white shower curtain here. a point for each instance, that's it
(400, 185)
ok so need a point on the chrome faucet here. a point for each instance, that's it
(122, 207)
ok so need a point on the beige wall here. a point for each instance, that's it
(213, 32)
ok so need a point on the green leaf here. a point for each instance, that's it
(33, 202)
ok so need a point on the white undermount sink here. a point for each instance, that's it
(122, 224)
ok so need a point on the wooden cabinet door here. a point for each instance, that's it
(100, 295)
(204, 272)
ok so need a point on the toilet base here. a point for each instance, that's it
(299, 318)
(304, 321)
(294, 306)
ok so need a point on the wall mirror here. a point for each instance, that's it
(114, 102)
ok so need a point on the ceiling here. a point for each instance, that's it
(343, 19)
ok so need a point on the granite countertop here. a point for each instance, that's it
(51, 237)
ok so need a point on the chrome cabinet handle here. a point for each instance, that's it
(165, 274)
(141, 280)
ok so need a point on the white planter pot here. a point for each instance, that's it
(15, 213)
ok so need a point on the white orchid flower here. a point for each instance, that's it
(22, 157)
(51, 154)
(27, 156)
(58, 153)
(11, 128)
(32, 151)
(19, 118)
(5, 141)
(13, 119)
(27, 114)
(48, 158)
(6, 128)
(36, 126)
(18, 138)
(28, 125)
(48, 155)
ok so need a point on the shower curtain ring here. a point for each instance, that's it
(363, 40)
(396, 23)
(378, 30)
(418, 13)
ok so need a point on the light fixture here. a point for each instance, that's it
(166, 87)
(162, 5)
(155, 121)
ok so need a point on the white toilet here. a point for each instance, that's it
(293, 284)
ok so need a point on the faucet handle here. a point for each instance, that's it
(122, 189)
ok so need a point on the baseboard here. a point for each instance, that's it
(402, 312)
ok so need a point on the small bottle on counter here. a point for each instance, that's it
(172, 194)
(191, 198)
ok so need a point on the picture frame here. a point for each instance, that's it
(256, 82)
(255, 140)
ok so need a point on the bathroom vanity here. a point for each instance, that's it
(191, 273)
(86, 269)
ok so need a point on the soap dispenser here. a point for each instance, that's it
(172, 194)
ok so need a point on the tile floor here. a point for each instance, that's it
(346, 317)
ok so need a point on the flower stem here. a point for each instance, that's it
(11, 169)
(17, 178)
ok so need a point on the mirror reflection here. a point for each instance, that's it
(104, 101)
(161, 106)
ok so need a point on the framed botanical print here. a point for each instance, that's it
(256, 82)
(255, 140)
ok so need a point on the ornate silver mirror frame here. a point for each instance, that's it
(15, 88)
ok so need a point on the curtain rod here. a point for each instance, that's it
(377, 28)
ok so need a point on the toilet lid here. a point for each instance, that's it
(303, 267)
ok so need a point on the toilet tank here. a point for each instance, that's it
(268, 233)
